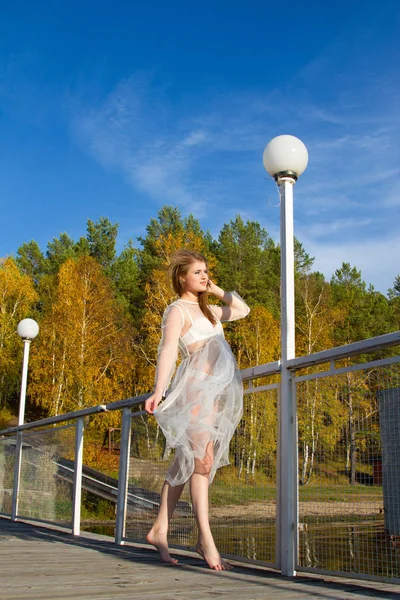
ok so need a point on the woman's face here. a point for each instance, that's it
(196, 278)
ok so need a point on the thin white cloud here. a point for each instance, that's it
(318, 229)
(206, 158)
(129, 133)
(195, 138)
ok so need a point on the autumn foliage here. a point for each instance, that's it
(99, 314)
(83, 356)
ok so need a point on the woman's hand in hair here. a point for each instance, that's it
(214, 289)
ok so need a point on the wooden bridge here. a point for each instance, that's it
(42, 563)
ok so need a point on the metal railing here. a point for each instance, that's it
(346, 479)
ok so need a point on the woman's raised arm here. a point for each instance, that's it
(236, 307)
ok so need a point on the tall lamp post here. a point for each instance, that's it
(285, 158)
(27, 331)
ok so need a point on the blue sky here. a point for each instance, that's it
(117, 108)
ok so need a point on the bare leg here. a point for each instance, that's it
(157, 535)
(205, 544)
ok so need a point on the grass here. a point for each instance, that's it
(241, 493)
(339, 492)
(96, 509)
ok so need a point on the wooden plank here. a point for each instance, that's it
(40, 563)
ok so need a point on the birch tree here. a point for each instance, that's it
(255, 341)
(84, 355)
(362, 313)
(316, 403)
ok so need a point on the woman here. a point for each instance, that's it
(204, 403)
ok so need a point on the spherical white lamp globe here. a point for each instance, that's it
(285, 155)
(27, 329)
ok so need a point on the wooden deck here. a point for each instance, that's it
(39, 563)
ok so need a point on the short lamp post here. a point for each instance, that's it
(27, 331)
(285, 158)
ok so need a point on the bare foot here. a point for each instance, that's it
(209, 552)
(159, 541)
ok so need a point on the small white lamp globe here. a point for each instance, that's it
(285, 155)
(27, 329)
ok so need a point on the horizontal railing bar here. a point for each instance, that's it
(138, 413)
(379, 342)
(272, 368)
(382, 362)
(65, 525)
(55, 429)
(261, 388)
(363, 347)
(92, 410)
(127, 402)
(80, 413)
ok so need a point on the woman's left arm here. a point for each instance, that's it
(235, 308)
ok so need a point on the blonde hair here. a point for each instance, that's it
(180, 264)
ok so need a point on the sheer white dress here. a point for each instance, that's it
(204, 403)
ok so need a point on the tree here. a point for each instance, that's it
(321, 420)
(58, 251)
(84, 355)
(302, 260)
(255, 341)
(314, 322)
(168, 221)
(361, 313)
(101, 238)
(315, 317)
(125, 275)
(17, 296)
(394, 292)
(248, 263)
(31, 261)
(394, 298)
(82, 247)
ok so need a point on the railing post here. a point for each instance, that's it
(77, 494)
(123, 475)
(295, 478)
(17, 476)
